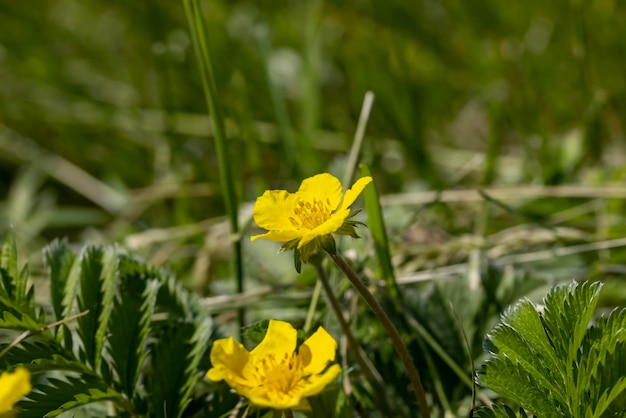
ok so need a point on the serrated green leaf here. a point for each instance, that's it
(109, 274)
(23, 289)
(603, 362)
(169, 365)
(199, 344)
(512, 381)
(129, 325)
(521, 338)
(174, 300)
(42, 354)
(90, 298)
(8, 257)
(613, 401)
(498, 411)
(13, 284)
(52, 397)
(177, 350)
(58, 362)
(567, 312)
(59, 260)
(7, 287)
(560, 360)
(14, 319)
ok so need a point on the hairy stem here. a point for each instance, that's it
(365, 364)
(391, 330)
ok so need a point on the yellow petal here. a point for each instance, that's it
(228, 358)
(354, 192)
(279, 341)
(321, 187)
(280, 236)
(274, 400)
(273, 209)
(317, 351)
(317, 382)
(328, 227)
(12, 387)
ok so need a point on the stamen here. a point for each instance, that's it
(311, 214)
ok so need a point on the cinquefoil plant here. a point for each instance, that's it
(552, 363)
(133, 349)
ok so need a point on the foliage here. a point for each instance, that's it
(554, 361)
(495, 145)
(133, 348)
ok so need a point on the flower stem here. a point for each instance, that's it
(390, 328)
(365, 364)
(288, 413)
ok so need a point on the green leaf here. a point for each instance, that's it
(8, 258)
(13, 285)
(7, 287)
(173, 299)
(256, 332)
(176, 354)
(550, 362)
(498, 411)
(521, 338)
(59, 260)
(130, 323)
(376, 223)
(199, 344)
(52, 397)
(510, 380)
(603, 362)
(109, 281)
(90, 298)
(36, 349)
(14, 319)
(567, 312)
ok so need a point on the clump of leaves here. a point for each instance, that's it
(553, 363)
(133, 349)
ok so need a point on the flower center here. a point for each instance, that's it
(278, 375)
(310, 215)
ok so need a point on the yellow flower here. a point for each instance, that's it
(308, 217)
(274, 374)
(12, 387)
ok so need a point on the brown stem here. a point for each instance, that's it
(367, 367)
(391, 330)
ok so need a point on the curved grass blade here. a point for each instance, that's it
(376, 224)
(199, 37)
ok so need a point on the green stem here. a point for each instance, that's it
(288, 413)
(199, 36)
(391, 330)
(365, 364)
(312, 306)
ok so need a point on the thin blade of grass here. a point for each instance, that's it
(285, 130)
(359, 134)
(376, 224)
(199, 37)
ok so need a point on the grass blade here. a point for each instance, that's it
(376, 224)
(199, 37)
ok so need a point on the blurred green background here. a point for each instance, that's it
(104, 134)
